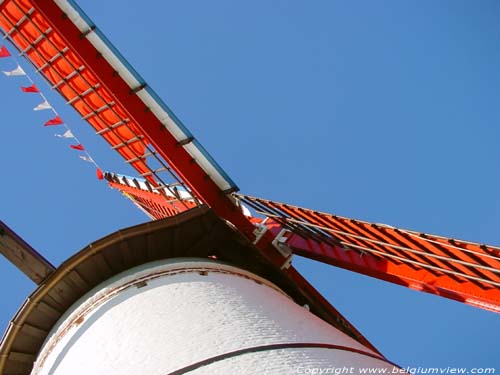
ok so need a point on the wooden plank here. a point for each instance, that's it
(23, 256)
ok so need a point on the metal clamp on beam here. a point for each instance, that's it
(186, 141)
(135, 90)
(279, 243)
(259, 231)
(87, 32)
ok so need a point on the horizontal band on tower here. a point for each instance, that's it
(263, 348)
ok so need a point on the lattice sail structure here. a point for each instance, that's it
(463, 271)
(77, 60)
(155, 203)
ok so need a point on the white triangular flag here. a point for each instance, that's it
(16, 72)
(41, 106)
(86, 158)
(67, 134)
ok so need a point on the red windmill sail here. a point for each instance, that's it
(463, 271)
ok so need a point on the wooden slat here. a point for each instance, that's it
(23, 256)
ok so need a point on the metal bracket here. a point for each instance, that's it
(259, 231)
(185, 141)
(135, 90)
(279, 243)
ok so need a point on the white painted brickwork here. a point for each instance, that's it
(163, 316)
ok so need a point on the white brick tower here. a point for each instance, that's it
(184, 295)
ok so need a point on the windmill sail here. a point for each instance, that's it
(87, 70)
(464, 271)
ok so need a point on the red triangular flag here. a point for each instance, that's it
(100, 175)
(54, 121)
(31, 88)
(77, 147)
(4, 52)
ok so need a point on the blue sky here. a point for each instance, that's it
(384, 111)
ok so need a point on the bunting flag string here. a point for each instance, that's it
(31, 88)
(86, 158)
(4, 52)
(66, 134)
(16, 72)
(45, 105)
(42, 106)
(54, 121)
(99, 174)
(77, 147)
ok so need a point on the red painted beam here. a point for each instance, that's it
(463, 271)
(401, 274)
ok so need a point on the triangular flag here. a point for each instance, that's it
(4, 52)
(55, 121)
(77, 147)
(41, 106)
(100, 175)
(16, 72)
(31, 88)
(67, 134)
(87, 158)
